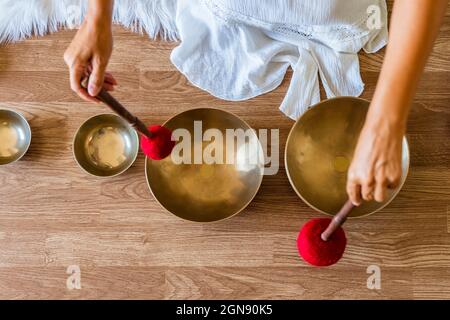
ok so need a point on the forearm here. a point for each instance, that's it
(100, 10)
(414, 27)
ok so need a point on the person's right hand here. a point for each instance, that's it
(88, 55)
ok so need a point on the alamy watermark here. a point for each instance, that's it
(74, 16)
(245, 149)
(74, 279)
(374, 21)
(374, 280)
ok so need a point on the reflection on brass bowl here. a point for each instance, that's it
(207, 192)
(319, 150)
(15, 136)
(105, 145)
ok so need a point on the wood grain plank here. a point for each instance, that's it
(201, 283)
(53, 86)
(22, 249)
(96, 283)
(283, 283)
(431, 283)
(160, 246)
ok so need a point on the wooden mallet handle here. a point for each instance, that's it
(120, 110)
(338, 220)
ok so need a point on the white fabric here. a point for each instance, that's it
(20, 19)
(238, 49)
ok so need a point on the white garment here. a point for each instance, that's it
(238, 49)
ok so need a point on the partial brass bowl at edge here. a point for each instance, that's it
(205, 192)
(105, 145)
(15, 136)
(319, 150)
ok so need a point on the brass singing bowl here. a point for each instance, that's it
(319, 150)
(15, 136)
(105, 145)
(207, 192)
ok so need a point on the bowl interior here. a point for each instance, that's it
(319, 150)
(106, 145)
(15, 136)
(196, 188)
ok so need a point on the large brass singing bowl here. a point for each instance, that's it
(105, 145)
(319, 150)
(15, 136)
(201, 189)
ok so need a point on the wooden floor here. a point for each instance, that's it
(53, 215)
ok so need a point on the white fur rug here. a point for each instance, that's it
(20, 19)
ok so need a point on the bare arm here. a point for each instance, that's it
(90, 50)
(377, 161)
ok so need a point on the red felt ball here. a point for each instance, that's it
(316, 251)
(160, 145)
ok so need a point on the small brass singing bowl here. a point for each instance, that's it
(204, 189)
(15, 136)
(105, 145)
(319, 151)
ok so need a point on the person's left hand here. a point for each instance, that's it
(377, 162)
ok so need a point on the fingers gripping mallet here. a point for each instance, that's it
(156, 140)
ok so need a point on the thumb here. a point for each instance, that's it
(96, 79)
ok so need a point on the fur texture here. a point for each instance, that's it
(20, 19)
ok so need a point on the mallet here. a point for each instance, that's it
(321, 242)
(156, 140)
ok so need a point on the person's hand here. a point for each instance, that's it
(377, 162)
(88, 54)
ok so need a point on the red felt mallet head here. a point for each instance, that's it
(322, 242)
(316, 251)
(160, 144)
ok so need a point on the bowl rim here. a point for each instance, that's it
(242, 207)
(394, 195)
(28, 128)
(135, 134)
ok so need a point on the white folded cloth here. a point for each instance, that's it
(239, 49)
